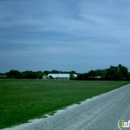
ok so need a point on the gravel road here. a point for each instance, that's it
(99, 113)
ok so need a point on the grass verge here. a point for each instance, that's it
(21, 100)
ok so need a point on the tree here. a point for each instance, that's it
(129, 75)
(29, 75)
(82, 76)
(39, 74)
(95, 74)
(91, 74)
(46, 72)
(123, 72)
(71, 76)
(54, 71)
(13, 74)
(117, 73)
(72, 72)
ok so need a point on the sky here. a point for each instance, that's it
(66, 35)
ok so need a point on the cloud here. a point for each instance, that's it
(85, 31)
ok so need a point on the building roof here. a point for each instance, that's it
(75, 75)
(59, 75)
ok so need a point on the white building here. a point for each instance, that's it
(59, 76)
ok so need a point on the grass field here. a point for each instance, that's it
(21, 100)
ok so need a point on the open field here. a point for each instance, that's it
(21, 100)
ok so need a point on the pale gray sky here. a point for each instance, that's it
(65, 35)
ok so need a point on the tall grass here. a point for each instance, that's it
(21, 100)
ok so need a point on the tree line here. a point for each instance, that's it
(31, 74)
(119, 72)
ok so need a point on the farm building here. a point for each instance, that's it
(3, 76)
(59, 76)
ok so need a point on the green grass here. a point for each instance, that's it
(21, 100)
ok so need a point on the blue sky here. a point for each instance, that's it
(65, 35)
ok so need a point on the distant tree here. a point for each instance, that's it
(54, 71)
(39, 74)
(29, 75)
(129, 75)
(103, 73)
(72, 72)
(46, 72)
(80, 77)
(2, 73)
(94, 74)
(71, 76)
(13, 74)
(117, 73)
(112, 73)
(124, 74)
(91, 74)
(83, 76)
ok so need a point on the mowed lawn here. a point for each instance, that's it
(21, 99)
